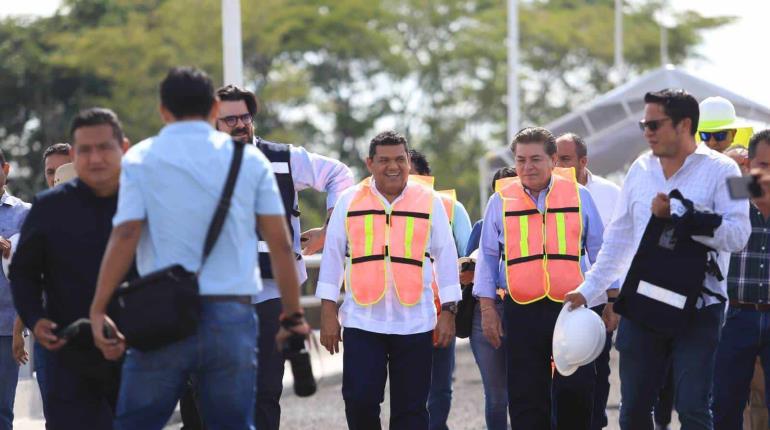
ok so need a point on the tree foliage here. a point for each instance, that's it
(329, 74)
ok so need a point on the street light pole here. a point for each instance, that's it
(513, 69)
(232, 47)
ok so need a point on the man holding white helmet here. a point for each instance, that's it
(540, 225)
(719, 127)
(675, 162)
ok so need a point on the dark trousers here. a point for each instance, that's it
(602, 388)
(368, 358)
(440, 395)
(538, 398)
(270, 366)
(80, 398)
(664, 406)
(644, 357)
(745, 336)
(188, 408)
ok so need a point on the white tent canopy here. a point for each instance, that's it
(609, 123)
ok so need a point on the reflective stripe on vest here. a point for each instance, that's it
(542, 251)
(377, 238)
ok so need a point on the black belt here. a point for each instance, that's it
(761, 307)
(219, 298)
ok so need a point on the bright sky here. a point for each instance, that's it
(733, 56)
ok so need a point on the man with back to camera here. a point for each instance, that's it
(539, 225)
(675, 162)
(381, 237)
(58, 257)
(295, 169)
(572, 151)
(440, 396)
(12, 214)
(170, 186)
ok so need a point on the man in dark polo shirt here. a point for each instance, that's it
(59, 253)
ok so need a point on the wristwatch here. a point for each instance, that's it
(449, 307)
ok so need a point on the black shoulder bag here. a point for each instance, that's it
(164, 307)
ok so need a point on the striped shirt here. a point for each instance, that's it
(749, 277)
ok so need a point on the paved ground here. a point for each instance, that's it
(325, 410)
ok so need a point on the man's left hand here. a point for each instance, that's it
(20, 354)
(661, 206)
(313, 240)
(5, 247)
(575, 300)
(445, 329)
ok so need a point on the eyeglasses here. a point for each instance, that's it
(719, 136)
(652, 124)
(232, 120)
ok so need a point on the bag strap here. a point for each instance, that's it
(218, 221)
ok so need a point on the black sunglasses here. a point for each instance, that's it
(232, 120)
(652, 124)
(719, 136)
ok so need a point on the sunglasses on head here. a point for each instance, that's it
(717, 135)
(652, 124)
(232, 120)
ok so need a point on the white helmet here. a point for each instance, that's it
(578, 338)
(7, 261)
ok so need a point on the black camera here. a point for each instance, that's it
(295, 351)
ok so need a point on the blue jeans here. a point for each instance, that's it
(222, 356)
(40, 358)
(440, 395)
(9, 377)
(745, 336)
(644, 357)
(491, 364)
(368, 359)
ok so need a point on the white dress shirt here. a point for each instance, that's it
(389, 316)
(701, 179)
(309, 170)
(605, 194)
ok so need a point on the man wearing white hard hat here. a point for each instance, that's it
(719, 127)
(540, 225)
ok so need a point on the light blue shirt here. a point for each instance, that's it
(12, 214)
(173, 182)
(461, 227)
(490, 273)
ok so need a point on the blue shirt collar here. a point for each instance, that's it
(198, 125)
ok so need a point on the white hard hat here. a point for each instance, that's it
(578, 338)
(64, 173)
(717, 114)
(7, 261)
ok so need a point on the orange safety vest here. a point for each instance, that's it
(378, 237)
(448, 198)
(542, 251)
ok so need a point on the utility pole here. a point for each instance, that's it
(232, 45)
(513, 69)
